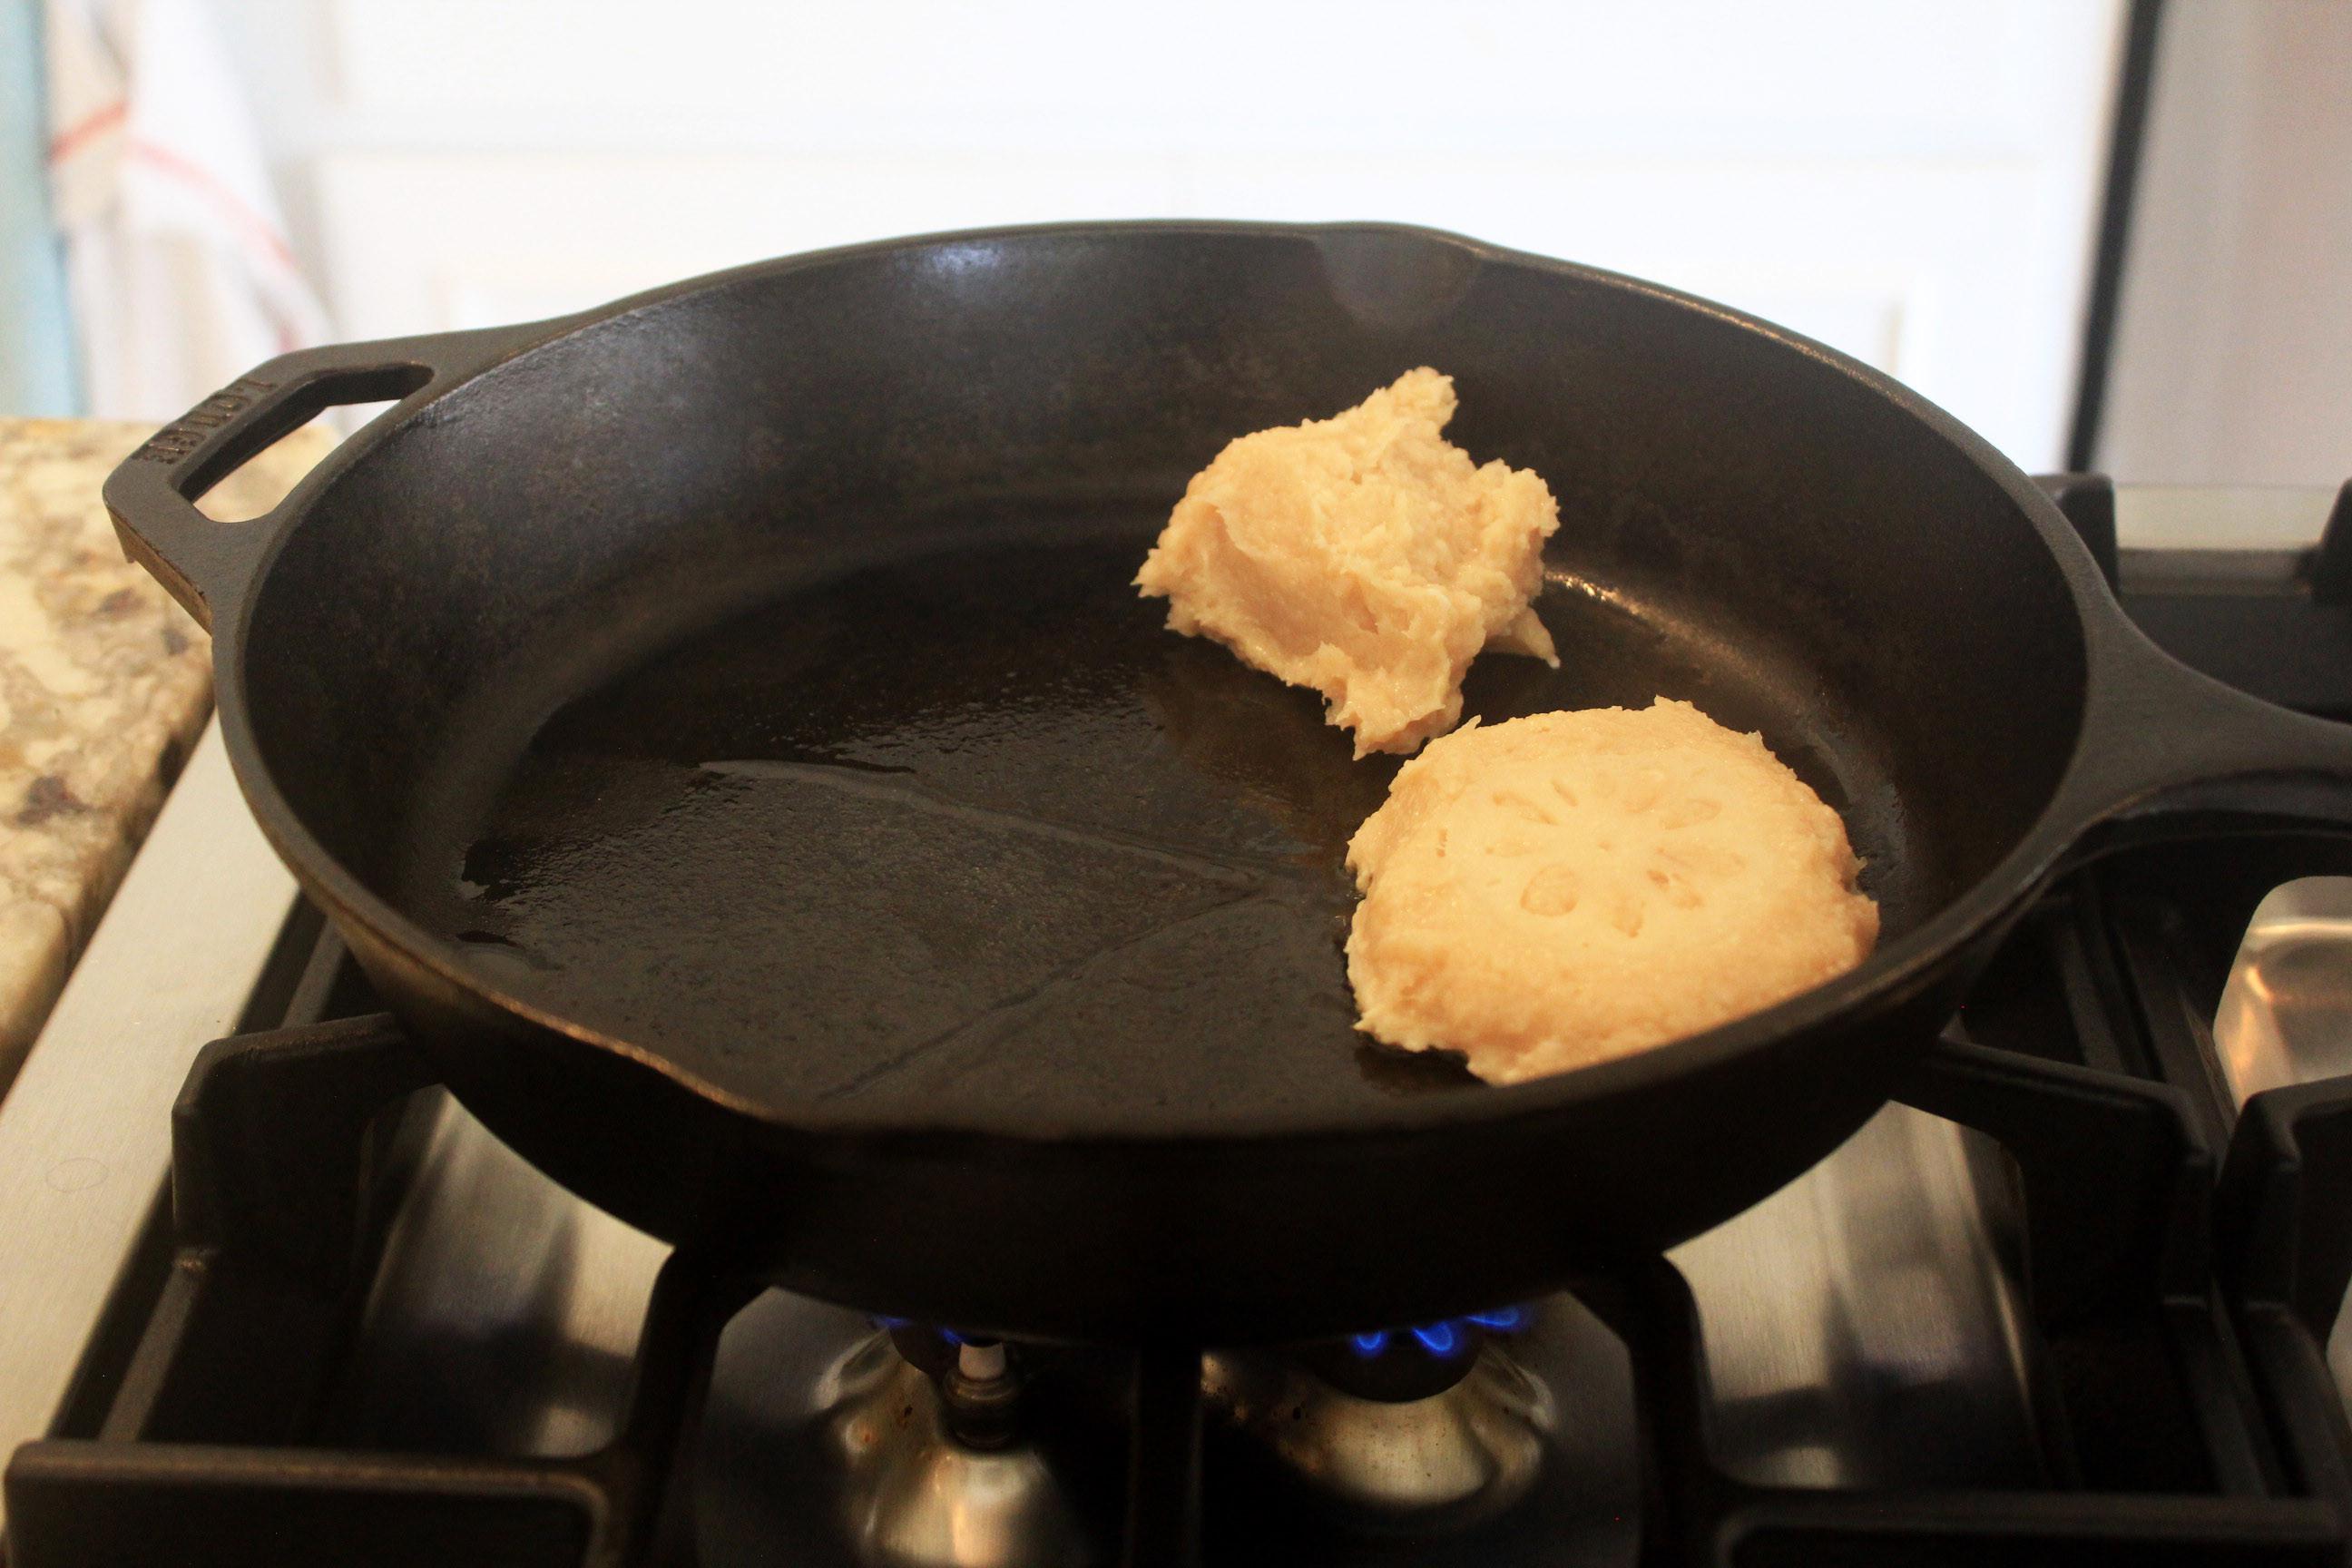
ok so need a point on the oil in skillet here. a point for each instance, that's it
(970, 822)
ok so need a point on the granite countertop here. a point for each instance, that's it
(104, 683)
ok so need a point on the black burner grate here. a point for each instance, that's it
(2180, 1293)
(2184, 1266)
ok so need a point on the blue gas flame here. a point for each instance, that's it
(884, 1320)
(1447, 1336)
(1438, 1338)
(1502, 1319)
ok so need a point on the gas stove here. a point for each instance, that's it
(2072, 1299)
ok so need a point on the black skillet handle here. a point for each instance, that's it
(2169, 752)
(152, 495)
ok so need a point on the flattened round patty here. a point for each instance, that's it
(1567, 887)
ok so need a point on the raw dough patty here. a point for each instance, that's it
(1567, 887)
(1363, 556)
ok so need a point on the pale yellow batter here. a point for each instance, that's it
(1567, 887)
(1364, 556)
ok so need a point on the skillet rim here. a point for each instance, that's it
(1892, 975)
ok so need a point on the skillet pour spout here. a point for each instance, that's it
(722, 726)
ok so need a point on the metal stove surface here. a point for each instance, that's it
(1861, 1328)
(1867, 1331)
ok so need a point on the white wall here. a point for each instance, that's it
(1910, 181)
(2234, 357)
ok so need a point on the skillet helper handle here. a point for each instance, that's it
(151, 494)
(2170, 753)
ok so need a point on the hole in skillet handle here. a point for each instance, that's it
(262, 485)
(151, 494)
(2169, 754)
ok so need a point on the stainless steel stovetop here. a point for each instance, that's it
(1882, 1327)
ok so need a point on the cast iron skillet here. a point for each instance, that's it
(721, 726)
